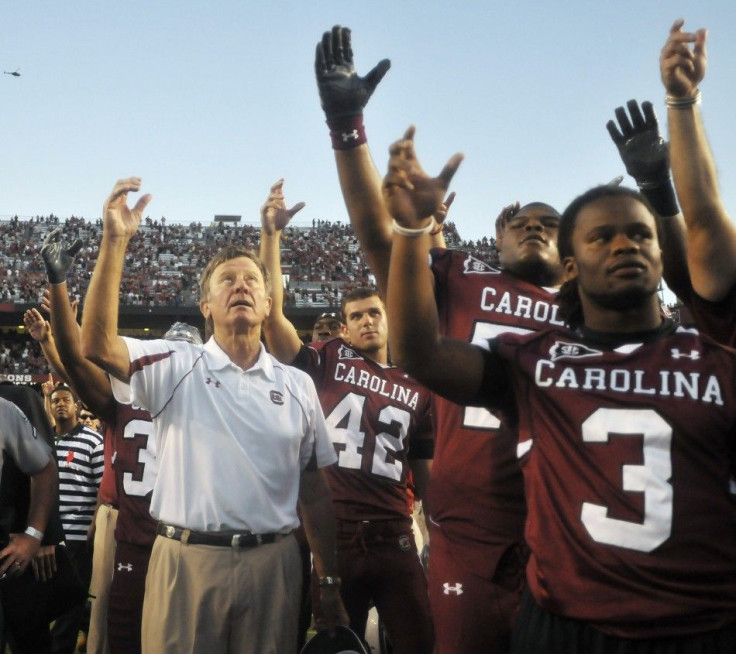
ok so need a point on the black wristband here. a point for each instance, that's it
(662, 198)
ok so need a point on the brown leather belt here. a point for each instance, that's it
(240, 540)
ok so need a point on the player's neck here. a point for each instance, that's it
(379, 356)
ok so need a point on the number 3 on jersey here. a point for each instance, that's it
(344, 423)
(651, 478)
(146, 459)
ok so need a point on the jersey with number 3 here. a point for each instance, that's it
(135, 466)
(378, 418)
(476, 488)
(627, 459)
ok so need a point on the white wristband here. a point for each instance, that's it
(33, 532)
(414, 233)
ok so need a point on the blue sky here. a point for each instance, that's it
(210, 102)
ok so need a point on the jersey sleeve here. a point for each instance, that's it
(153, 373)
(310, 359)
(21, 440)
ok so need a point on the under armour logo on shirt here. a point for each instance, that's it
(449, 589)
(127, 566)
(693, 354)
(209, 381)
(346, 136)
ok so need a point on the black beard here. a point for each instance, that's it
(634, 298)
(536, 271)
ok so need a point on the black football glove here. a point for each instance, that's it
(641, 146)
(342, 91)
(57, 259)
(645, 155)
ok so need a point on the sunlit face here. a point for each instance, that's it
(617, 259)
(367, 328)
(325, 329)
(237, 298)
(528, 245)
(63, 406)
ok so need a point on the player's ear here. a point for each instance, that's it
(571, 268)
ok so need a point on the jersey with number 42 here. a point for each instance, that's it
(627, 459)
(378, 418)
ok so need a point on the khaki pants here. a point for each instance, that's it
(102, 569)
(221, 600)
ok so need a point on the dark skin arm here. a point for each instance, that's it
(453, 369)
(711, 235)
(89, 382)
(645, 155)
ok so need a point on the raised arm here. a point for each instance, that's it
(344, 95)
(645, 155)
(89, 382)
(711, 235)
(100, 340)
(451, 368)
(281, 336)
(39, 329)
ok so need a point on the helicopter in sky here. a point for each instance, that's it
(14, 73)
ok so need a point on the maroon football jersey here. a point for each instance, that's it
(476, 489)
(626, 455)
(716, 319)
(135, 466)
(378, 419)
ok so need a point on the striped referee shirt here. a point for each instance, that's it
(80, 458)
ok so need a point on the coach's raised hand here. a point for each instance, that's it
(274, 214)
(118, 220)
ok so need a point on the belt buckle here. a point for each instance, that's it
(170, 531)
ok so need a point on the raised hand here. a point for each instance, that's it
(640, 144)
(274, 214)
(683, 67)
(412, 196)
(341, 90)
(56, 257)
(47, 387)
(38, 328)
(441, 214)
(506, 214)
(118, 219)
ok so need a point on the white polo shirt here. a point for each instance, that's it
(231, 443)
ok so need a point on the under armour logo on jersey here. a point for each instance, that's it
(346, 136)
(276, 397)
(676, 354)
(571, 351)
(473, 266)
(345, 352)
(209, 381)
(128, 567)
(449, 589)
